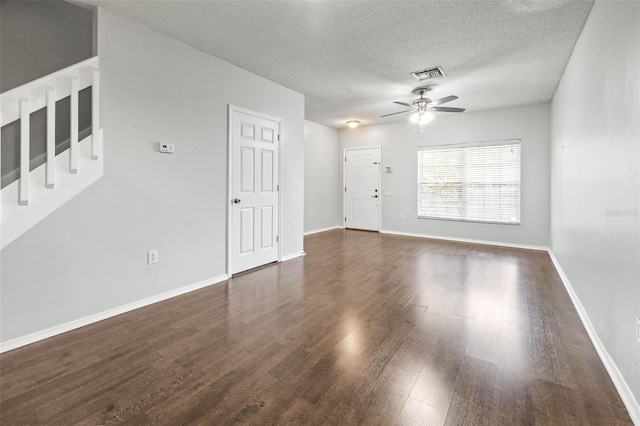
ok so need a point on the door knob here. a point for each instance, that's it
(236, 201)
(374, 196)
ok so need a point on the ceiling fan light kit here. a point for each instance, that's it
(422, 117)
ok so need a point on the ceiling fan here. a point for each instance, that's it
(422, 107)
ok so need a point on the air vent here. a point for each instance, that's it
(429, 73)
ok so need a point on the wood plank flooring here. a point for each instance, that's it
(366, 329)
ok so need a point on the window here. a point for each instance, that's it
(473, 182)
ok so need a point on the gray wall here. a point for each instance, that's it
(90, 255)
(399, 143)
(40, 37)
(322, 176)
(596, 178)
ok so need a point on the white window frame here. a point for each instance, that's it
(462, 147)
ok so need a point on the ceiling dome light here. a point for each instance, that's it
(353, 123)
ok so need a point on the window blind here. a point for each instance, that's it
(477, 183)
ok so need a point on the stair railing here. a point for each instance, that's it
(18, 104)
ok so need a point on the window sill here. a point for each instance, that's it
(470, 220)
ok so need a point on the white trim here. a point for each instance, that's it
(280, 183)
(229, 183)
(467, 240)
(618, 380)
(231, 109)
(357, 148)
(496, 142)
(292, 256)
(72, 325)
(316, 231)
(255, 113)
(344, 184)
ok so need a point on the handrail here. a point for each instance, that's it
(36, 90)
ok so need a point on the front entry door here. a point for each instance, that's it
(361, 182)
(254, 190)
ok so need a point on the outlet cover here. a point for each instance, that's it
(152, 257)
(638, 329)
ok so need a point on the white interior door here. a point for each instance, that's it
(254, 191)
(362, 192)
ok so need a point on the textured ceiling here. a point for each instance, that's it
(351, 59)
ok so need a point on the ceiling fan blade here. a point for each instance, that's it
(446, 109)
(403, 104)
(394, 113)
(443, 100)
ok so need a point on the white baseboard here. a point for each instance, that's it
(292, 256)
(315, 231)
(618, 380)
(72, 325)
(467, 240)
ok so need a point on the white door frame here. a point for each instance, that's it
(344, 182)
(231, 110)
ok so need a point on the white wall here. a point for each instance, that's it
(322, 176)
(596, 178)
(90, 255)
(399, 143)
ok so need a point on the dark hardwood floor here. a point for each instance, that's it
(366, 329)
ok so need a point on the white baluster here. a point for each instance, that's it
(74, 146)
(95, 116)
(23, 188)
(51, 138)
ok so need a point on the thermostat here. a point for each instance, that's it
(166, 147)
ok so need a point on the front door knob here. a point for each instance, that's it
(236, 201)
